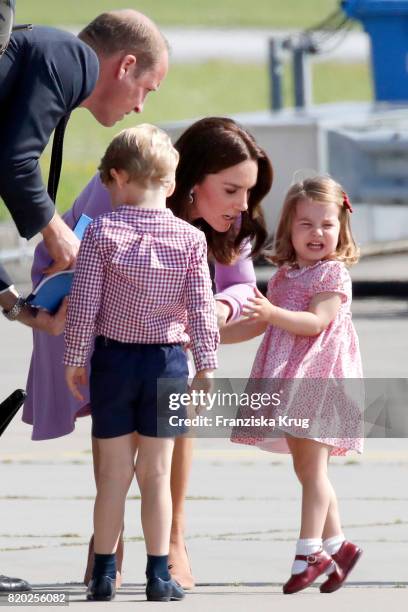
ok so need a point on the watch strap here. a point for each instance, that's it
(13, 313)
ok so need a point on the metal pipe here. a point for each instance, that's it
(302, 77)
(276, 74)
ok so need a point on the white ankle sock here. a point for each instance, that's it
(307, 546)
(331, 546)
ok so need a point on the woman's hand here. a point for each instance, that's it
(259, 308)
(223, 313)
(52, 324)
(76, 376)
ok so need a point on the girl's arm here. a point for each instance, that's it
(241, 331)
(322, 310)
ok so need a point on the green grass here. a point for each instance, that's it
(218, 13)
(213, 88)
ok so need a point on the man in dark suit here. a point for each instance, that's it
(45, 74)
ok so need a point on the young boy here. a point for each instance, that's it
(141, 280)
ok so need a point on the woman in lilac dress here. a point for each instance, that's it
(221, 180)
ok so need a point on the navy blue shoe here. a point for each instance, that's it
(101, 589)
(158, 589)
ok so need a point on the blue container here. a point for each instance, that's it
(386, 22)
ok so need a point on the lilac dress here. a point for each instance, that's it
(50, 408)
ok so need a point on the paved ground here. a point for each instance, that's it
(243, 503)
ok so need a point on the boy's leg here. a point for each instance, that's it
(115, 474)
(120, 546)
(153, 465)
(152, 469)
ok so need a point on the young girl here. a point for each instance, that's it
(141, 281)
(309, 335)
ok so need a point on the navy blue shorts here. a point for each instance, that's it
(124, 389)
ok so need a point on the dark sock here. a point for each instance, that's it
(157, 567)
(105, 565)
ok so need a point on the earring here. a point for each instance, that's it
(191, 197)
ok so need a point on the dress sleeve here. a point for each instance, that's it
(235, 283)
(333, 277)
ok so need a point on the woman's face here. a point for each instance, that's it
(221, 198)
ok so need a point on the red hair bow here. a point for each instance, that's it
(346, 202)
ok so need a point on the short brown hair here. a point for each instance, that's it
(112, 32)
(145, 152)
(318, 189)
(209, 146)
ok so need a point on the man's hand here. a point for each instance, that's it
(76, 376)
(258, 308)
(61, 243)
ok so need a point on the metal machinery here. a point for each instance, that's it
(386, 22)
(365, 146)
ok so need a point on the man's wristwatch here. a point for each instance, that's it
(13, 313)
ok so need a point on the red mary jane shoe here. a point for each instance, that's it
(317, 564)
(346, 558)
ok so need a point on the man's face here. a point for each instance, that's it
(127, 93)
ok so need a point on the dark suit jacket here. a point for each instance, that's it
(5, 281)
(44, 74)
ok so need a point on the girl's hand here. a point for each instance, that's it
(259, 308)
(76, 376)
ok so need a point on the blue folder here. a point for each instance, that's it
(52, 289)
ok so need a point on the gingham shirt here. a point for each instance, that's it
(142, 277)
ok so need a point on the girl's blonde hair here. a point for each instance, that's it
(145, 152)
(318, 189)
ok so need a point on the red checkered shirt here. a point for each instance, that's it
(142, 277)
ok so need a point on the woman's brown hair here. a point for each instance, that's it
(318, 189)
(209, 146)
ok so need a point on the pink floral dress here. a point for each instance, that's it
(312, 374)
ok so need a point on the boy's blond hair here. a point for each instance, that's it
(145, 152)
(321, 189)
